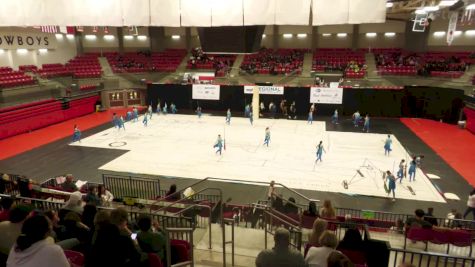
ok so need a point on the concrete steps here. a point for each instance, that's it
(307, 65)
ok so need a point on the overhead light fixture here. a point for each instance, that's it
(430, 8)
(389, 4)
(43, 50)
(301, 35)
(142, 37)
(342, 34)
(457, 33)
(371, 34)
(470, 32)
(264, 35)
(175, 37)
(420, 11)
(128, 37)
(326, 34)
(439, 34)
(447, 2)
(21, 51)
(90, 37)
(2, 51)
(109, 37)
(59, 36)
(287, 35)
(470, 7)
(70, 36)
(389, 34)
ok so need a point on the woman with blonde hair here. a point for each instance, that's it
(327, 211)
(319, 226)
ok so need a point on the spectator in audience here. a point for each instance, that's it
(327, 211)
(25, 187)
(105, 195)
(150, 240)
(69, 184)
(318, 256)
(74, 228)
(337, 259)
(312, 210)
(73, 204)
(88, 215)
(352, 240)
(102, 218)
(5, 184)
(172, 194)
(11, 229)
(6, 203)
(470, 205)
(56, 228)
(429, 217)
(281, 255)
(319, 226)
(92, 197)
(278, 203)
(290, 207)
(418, 220)
(32, 248)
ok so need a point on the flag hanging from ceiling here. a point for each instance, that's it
(452, 27)
(95, 29)
(49, 29)
(80, 28)
(70, 30)
(106, 30)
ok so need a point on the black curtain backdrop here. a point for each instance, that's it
(422, 102)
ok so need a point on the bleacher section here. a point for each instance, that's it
(11, 78)
(86, 66)
(132, 62)
(275, 62)
(28, 117)
(220, 63)
(351, 63)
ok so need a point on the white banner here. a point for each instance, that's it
(325, 95)
(12, 40)
(265, 90)
(205, 91)
(452, 27)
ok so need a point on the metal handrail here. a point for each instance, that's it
(209, 218)
(186, 198)
(169, 254)
(229, 242)
(182, 190)
(298, 246)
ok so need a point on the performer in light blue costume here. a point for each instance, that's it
(251, 119)
(120, 121)
(366, 124)
(76, 134)
(158, 108)
(219, 144)
(335, 117)
(412, 169)
(391, 184)
(145, 119)
(320, 150)
(150, 111)
(356, 118)
(129, 116)
(267, 138)
(115, 120)
(387, 145)
(400, 172)
(173, 108)
(247, 110)
(198, 111)
(310, 117)
(165, 108)
(228, 116)
(136, 114)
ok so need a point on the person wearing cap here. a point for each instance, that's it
(73, 204)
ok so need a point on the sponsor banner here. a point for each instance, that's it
(326, 95)
(205, 91)
(11, 40)
(265, 90)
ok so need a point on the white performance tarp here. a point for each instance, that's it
(196, 13)
(367, 11)
(165, 13)
(136, 12)
(295, 12)
(205, 91)
(265, 90)
(94, 13)
(227, 13)
(330, 12)
(260, 12)
(325, 95)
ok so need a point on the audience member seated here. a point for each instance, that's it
(219, 62)
(112, 245)
(69, 184)
(352, 240)
(327, 211)
(57, 229)
(172, 194)
(352, 63)
(281, 255)
(151, 240)
(11, 229)
(33, 248)
(429, 217)
(88, 216)
(105, 195)
(74, 228)
(337, 259)
(73, 204)
(319, 227)
(418, 220)
(92, 197)
(6, 203)
(275, 62)
(6, 184)
(312, 210)
(318, 256)
(290, 207)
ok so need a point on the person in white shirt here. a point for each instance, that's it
(105, 195)
(317, 256)
(34, 248)
(470, 204)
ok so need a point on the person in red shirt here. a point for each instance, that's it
(6, 203)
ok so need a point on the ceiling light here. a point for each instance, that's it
(389, 4)
(439, 34)
(470, 7)
(21, 51)
(59, 36)
(287, 35)
(470, 32)
(142, 37)
(457, 33)
(430, 8)
(264, 35)
(90, 37)
(389, 34)
(371, 34)
(301, 35)
(447, 2)
(70, 36)
(2, 51)
(326, 34)
(344, 34)
(128, 37)
(43, 50)
(109, 37)
(175, 37)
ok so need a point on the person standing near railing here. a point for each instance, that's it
(470, 205)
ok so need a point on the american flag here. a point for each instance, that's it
(106, 30)
(49, 29)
